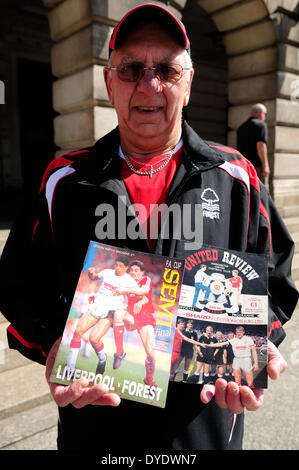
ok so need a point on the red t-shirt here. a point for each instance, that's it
(150, 191)
(177, 342)
(236, 282)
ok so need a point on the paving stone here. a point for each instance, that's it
(22, 388)
(17, 429)
(45, 440)
(275, 425)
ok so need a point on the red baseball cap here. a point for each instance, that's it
(150, 12)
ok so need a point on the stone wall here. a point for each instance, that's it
(81, 31)
(245, 51)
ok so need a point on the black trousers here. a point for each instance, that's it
(184, 424)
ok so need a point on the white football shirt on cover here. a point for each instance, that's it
(202, 278)
(242, 346)
(110, 282)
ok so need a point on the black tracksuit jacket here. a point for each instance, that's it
(44, 254)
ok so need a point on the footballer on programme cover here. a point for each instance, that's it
(121, 323)
(223, 306)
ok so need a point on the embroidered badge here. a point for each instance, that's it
(210, 208)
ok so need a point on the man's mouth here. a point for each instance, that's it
(148, 109)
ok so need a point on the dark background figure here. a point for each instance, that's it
(252, 137)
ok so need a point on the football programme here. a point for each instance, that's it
(224, 308)
(121, 323)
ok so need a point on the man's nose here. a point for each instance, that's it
(149, 83)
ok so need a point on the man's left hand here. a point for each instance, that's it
(230, 395)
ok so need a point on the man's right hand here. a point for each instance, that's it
(79, 394)
(262, 152)
(266, 171)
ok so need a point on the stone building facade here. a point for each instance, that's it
(244, 51)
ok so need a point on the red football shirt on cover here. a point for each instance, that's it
(236, 282)
(132, 298)
(177, 342)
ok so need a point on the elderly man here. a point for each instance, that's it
(152, 158)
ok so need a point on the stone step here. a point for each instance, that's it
(295, 237)
(292, 223)
(41, 441)
(3, 237)
(35, 428)
(2, 318)
(11, 359)
(288, 211)
(295, 267)
(23, 388)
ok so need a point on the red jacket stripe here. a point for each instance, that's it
(77, 152)
(34, 228)
(226, 149)
(264, 212)
(274, 326)
(249, 168)
(25, 343)
(57, 163)
(240, 175)
(243, 163)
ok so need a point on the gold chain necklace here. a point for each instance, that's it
(151, 172)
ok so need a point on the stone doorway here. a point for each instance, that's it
(207, 110)
(35, 120)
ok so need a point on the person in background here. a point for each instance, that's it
(252, 138)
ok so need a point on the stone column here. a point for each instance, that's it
(80, 30)
(261, 40)
(250, 44)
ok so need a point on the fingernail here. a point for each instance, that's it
(118, 402)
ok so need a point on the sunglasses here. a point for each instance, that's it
(134, 71)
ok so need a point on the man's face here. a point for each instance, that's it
(181, 326)
(240, 333)
(148, 109)
(209, 331)
(136, 272)
(264, 114)
(120, 268)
